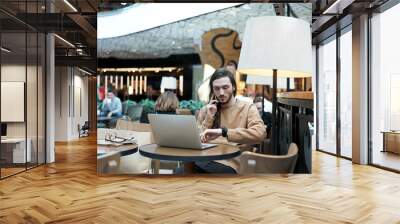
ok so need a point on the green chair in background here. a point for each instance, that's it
(126, 104)
(134, 112)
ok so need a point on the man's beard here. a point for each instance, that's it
(228, 100)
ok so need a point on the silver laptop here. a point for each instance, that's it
(178, 131)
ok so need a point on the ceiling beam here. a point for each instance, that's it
(81, 61)
(337, 7)
(85, 25)
(173, 60)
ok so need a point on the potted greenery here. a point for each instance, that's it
(192, 105)
(148, 105)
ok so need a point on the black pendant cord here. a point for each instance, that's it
(288, 84)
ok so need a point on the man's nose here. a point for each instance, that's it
(221, 92)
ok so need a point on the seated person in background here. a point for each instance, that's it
(232, 67)
(112, 106)
(267, 115)
(166, 103)
(229, 120)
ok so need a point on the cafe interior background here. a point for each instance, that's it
(178, 51)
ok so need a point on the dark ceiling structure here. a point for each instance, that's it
(329, 16)
(109, 5)
(73, 21)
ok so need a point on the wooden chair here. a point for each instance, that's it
(133, 126)
(134, 112)
(183, 112)
(251, 162)
(83, 131)
(125, 105)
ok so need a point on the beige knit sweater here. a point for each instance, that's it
(244, 126)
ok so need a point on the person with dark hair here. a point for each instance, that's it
(232, 66)
(267, 115)
(112, 106)
(228, 119)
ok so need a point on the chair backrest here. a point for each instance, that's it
(134, 112)
(125, 106)
(86, 126)
(260, 163)
(183, 112)
(293, 150)
(132, 126)
(138, 127)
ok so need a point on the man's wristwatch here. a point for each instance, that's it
(224, 132)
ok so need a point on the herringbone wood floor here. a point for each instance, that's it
(70, 191)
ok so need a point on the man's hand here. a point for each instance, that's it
(212, 107)
(109, 114)
(210, 134)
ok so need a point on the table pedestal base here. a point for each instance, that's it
(188, 167)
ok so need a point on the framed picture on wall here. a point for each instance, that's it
(12, 101)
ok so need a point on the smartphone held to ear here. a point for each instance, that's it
(216, 101)
(218, 104)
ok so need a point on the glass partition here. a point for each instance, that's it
(385, 89)
(22, 89)
(15, 151)
(327, 96)
(31, 97)
(346, 94)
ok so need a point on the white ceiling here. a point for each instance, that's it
(144, 16)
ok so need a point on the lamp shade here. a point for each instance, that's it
(276, 42)
(167, 83)
(267, 80)
(208, 70)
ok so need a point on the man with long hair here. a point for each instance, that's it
(230, 119)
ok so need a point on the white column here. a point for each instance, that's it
(140, 85)
(112, 80)
(50, 98)
(145, 84)
(180, 84)
(136, 84)
(105, 85)
(360, 90)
